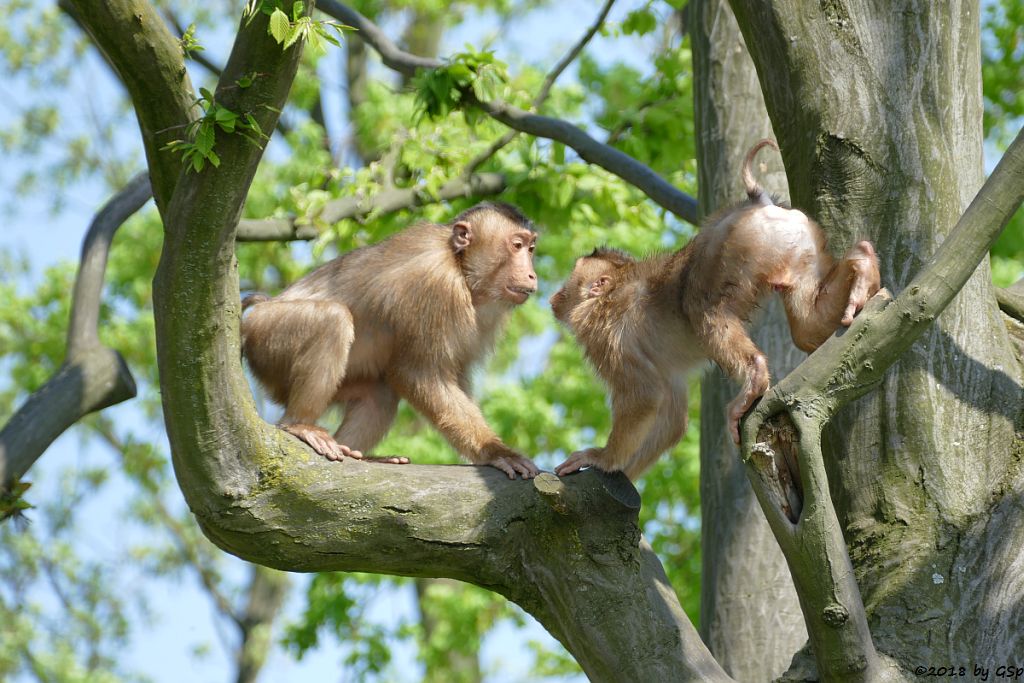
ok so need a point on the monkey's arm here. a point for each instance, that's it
(444, 402)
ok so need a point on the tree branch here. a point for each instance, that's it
(386, 201)
(1011, 301)
(590, 150)
(92, 376)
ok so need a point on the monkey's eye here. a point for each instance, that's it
(517, 245)
(532, 248)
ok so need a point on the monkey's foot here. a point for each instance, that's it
(321, 441)
(389, 459)
(580, 459)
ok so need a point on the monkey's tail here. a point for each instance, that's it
(754, 190)
(253, 299)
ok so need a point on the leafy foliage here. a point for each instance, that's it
(202, 133)
(1002, 75)
(467, 76)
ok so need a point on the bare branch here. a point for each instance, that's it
(85, 308)
(387, 201)
(612, 160)
(572, 54)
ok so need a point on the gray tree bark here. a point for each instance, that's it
(750, 617)
(879, 117)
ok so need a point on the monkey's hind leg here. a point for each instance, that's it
(309, 341)
(367, 420)
(817, 309)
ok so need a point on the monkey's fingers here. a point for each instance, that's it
(350, 452)
(576, 462)
(503, 465)
(513, 465)
(525, 467)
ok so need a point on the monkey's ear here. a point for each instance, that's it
(600, 286)
(462, 235)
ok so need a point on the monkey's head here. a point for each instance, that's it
(593, 276)
(494, 243)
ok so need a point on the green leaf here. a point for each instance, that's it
(640, 22)
(205, 138)
(558, 153)
(297, 9)
(207, 95)
(279, 25)
(297, 31)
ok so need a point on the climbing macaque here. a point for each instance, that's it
(405, 318)
(645, 324)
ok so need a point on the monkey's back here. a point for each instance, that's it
(401, 291)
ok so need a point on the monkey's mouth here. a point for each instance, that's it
(520, 294)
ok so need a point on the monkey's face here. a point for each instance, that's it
(590, 278)
(499, 266)
(520, 280)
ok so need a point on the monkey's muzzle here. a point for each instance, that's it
(520, 294)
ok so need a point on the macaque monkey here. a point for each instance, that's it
(405, 318)
(645, 324)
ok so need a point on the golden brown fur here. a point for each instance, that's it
(405, 318)
(646, 324)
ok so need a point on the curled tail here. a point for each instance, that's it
(755, 192)
(253, 299)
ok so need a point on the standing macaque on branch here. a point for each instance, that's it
(406, 318)
(645, 324)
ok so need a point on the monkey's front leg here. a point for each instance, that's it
(444, 402)
(634, 413)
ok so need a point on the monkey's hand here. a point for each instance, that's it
(508, 461)
(581, 459)
(321, 441)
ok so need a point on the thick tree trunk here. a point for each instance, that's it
(878, 113)
(750, 617)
